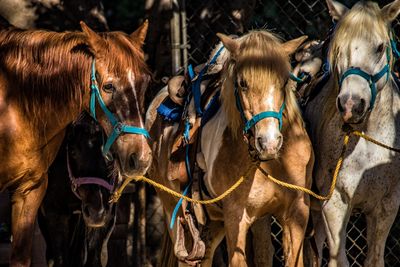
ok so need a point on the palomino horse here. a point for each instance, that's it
(361, 94)
(79, 168)
(254, 77)
(46, 80)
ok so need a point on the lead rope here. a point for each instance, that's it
(117, 194)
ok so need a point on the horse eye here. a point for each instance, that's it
(379, 49)
(109, 88)
(242, 83)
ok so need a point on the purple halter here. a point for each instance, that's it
(77, 182)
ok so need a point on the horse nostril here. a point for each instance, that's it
(362, 105)
(133, 164)
(279, 140)
(86, 210)
(261, 143)
(339, 105)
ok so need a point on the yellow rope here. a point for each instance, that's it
(370, 139)
(117, 194)
(306, 190)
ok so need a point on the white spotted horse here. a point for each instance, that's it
(360, 94)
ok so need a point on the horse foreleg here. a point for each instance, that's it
(24, 211)
(294, 229)
(379, 223)
(236, 227)
(336, 214)
(319, 236)
(262, 244)
(212, 234)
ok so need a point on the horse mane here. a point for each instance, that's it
(367, 14)
(45, 70)
(262, 61)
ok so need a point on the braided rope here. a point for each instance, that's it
(117, 194)
(370, 139)
(308, 191)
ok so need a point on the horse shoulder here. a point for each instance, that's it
(212, 139)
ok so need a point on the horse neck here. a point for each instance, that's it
(232, 137)
(70, 110)
(57, 97)
(385, 110)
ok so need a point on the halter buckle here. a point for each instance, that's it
(108, 156)
(74, 186)
(118, 128)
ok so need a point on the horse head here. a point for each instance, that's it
(93, 178)
(119, 78)
(255, 85)
(360, 55)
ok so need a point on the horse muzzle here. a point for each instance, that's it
(268, 146)
(94, 218)
(352, 108)
(134, 158)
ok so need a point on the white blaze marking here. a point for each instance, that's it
(131, 79)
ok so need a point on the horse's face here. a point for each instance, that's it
(96, 210)
(267, 135)
(361, 42)
(259, 78)
(122, 79)
(86, 160)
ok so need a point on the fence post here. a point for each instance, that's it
(185, 44)
(179, 44)
(175, 37)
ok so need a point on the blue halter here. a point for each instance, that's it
(118, 127)
(372, 79)
(297, 79)
(260, 116)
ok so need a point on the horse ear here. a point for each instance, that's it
(96, 43)
(140, 34)
(291, 46)
(391, 11)
(229, 43)
(336, 9)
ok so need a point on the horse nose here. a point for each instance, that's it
(93, 213)
(133, 161)
(270, 145)
(352, 107)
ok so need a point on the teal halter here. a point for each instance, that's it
(118, 127)
(372, 79)
(260, 116)
(297, 79)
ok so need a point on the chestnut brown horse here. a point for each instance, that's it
(46, 80)
(254, 83)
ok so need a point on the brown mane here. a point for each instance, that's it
(46, 69)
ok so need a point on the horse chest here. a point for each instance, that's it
(24, 159)
(368, 172)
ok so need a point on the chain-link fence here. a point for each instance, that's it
(289, 19)
(356, 243)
